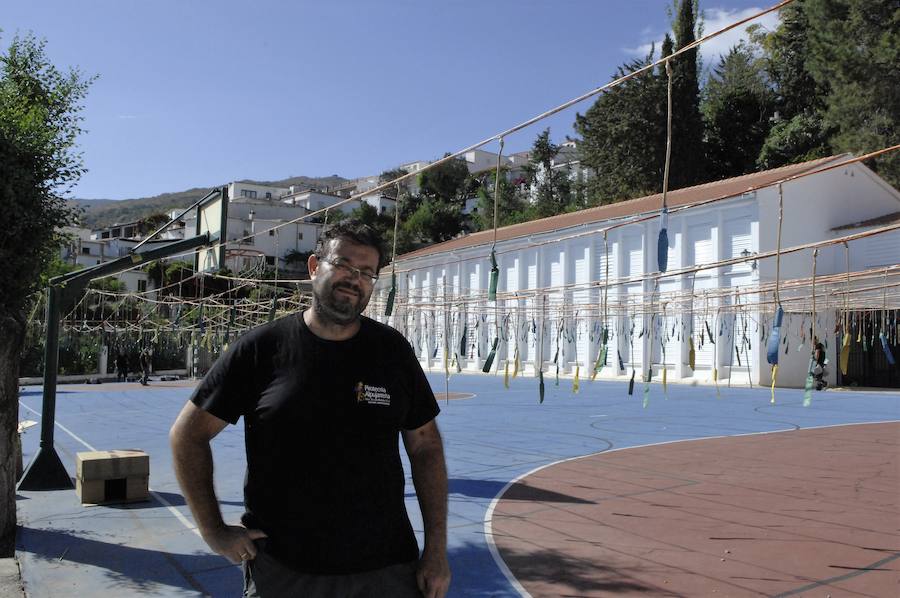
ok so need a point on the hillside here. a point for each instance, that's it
(103, 212)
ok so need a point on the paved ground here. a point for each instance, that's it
(774, 514)
(492, 439)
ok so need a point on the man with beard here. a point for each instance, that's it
(324, 395)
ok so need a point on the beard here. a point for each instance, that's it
(336, 307)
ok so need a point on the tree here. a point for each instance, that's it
(434, 221)
(738, 104)
(149, 224)
(390, 175)
(854, 50)
(550, 188)
(445, 182)
(511, 206)
(687, 167)
(799, 132)
(623, 136)
(40, 120)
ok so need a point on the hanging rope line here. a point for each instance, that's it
(389, 307)
(662, 249)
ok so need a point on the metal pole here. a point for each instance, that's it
(46, 471)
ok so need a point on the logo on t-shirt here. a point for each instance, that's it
(373, 395)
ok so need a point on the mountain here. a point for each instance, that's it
(104, 212)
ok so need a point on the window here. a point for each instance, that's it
(117, 232)
(270, 260)
(268, 195)
(86, 250)
(300, 236)
(271, 232)
(142, 286)
(248, 193)
(104, 235)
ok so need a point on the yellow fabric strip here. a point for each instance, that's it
(845, 353)
(774, 378)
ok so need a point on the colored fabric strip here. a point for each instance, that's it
(662, 244)
(845, 353)
(775, 338)
(774, 378)
(490, 358)
(389, 306)
(887, 349)
(495, 277)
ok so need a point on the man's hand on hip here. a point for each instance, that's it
(433, 574)
(234, 542)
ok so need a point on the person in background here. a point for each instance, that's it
(121, 367)
(146, 360)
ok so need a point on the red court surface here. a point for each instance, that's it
(813, 512)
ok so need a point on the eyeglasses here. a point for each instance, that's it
(364, 275)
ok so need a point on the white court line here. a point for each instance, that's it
(174, 511)
(488, 530)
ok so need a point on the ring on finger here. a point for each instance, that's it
(244, 556)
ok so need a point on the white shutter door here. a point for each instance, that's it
(581, 298)
(634, 254)
(700, 244)
(601, 254)
(738, 239)
(704, 356)
(512, 276)
(883, 249)
(664, 333)
(634, 345)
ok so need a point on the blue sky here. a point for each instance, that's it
(198, 93)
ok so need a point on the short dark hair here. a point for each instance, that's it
(355, 231)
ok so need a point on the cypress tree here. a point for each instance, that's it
(688, 166)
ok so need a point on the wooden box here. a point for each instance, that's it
(118, 476)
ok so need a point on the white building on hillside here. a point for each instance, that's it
(553, 274)
(83, 250)
(245, 190)
(262, 232)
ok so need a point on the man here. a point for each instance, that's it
(145, 365)
(122, 367)
(323, 396)
(819, 364)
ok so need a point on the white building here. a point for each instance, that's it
(83, 249)
(552, 273)
(245, 190)
(262, 232)
(316, 201)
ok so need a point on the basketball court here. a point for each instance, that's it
(587, 494)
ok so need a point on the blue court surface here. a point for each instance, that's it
(491, 439)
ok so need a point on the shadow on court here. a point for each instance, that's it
(127, 569)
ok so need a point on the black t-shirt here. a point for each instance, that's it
(321, 418)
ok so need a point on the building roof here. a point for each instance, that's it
(725, 189)
(879, 221)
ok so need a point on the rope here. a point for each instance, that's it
(389, 307)
(662, 245)
(778, 245)
(495, 271)
(810, 377)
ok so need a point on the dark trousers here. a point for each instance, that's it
(264, 577)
